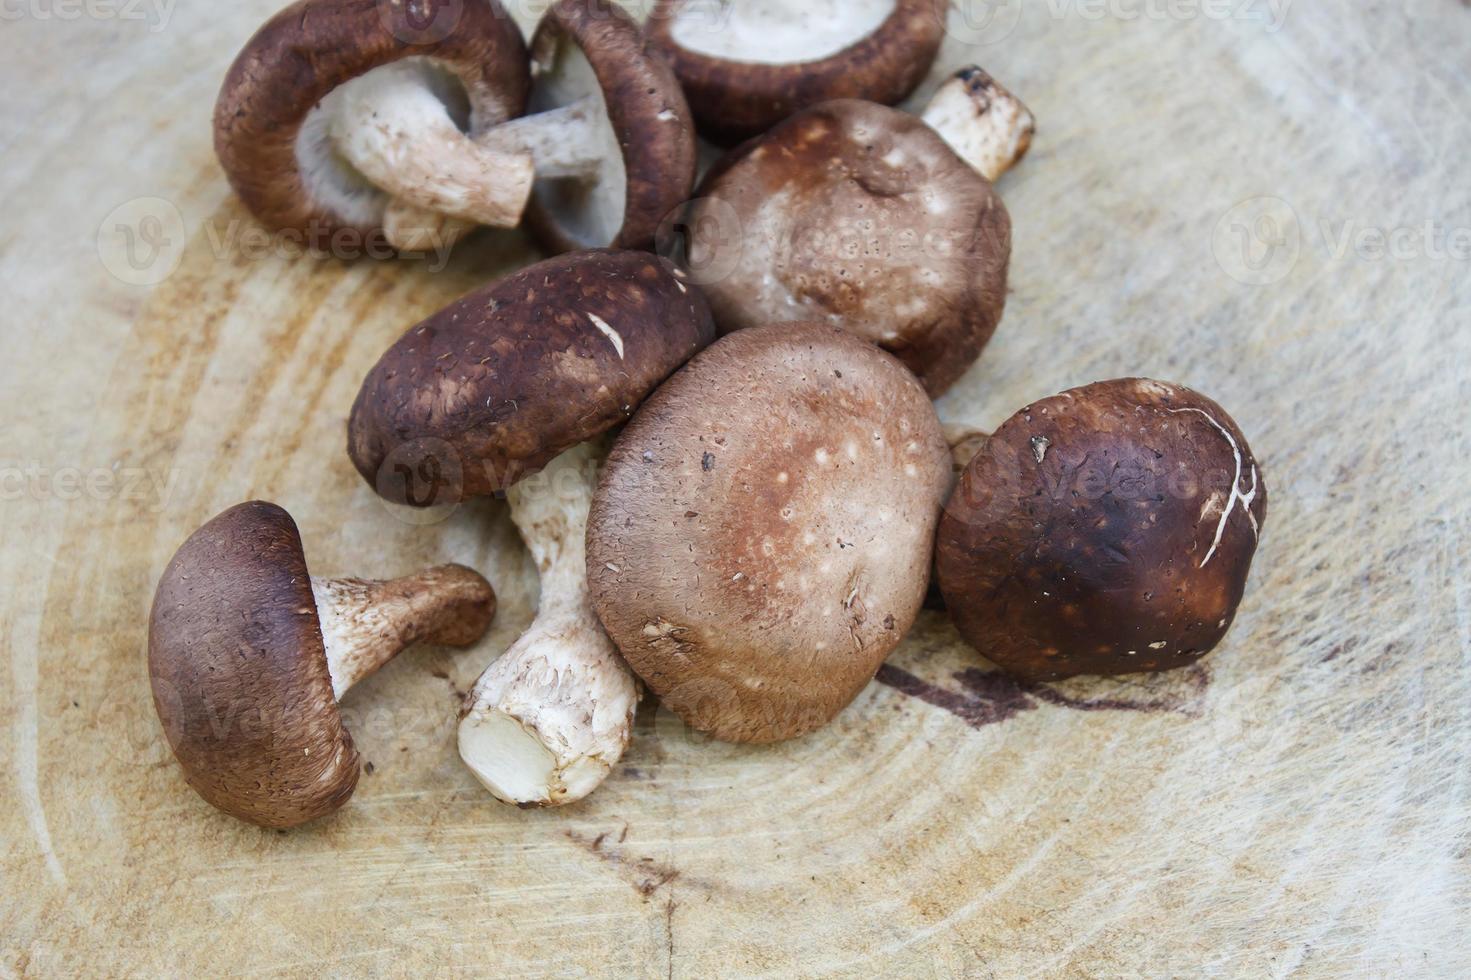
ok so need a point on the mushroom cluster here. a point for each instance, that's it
(515, 383)
(388, 127)
(725, 464)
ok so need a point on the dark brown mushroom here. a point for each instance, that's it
(870, 219)
(1105, 530)
(747, 66)
(609, 133)
(417, 137)
(761, 537)
(514, 379)
(248, 655)
(290, 134)
(638, 159)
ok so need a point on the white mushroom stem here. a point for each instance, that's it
(366, 623)
(561, 143)
(410, 228)
(987, 126)
(393, 127)
(548, 720)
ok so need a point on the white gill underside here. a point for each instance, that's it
(330, 179)
(775, 32)
(588, 205)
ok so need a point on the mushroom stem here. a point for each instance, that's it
(392, 127)
(987, 126)
(560, 143)
(410, 228)
(366, 623)
(546, 722)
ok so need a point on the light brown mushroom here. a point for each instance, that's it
(508, 390)
(871, 219)
(760, 540)
(248, 655)
(747, 66)
(1105, 530)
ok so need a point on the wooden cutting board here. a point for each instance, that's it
(1267, 202)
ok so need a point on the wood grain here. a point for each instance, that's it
(1297, 805)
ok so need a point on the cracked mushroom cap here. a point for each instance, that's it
(862, 216)
(761, 537)
(745, 67)
(239, 672)
(1105, 530)
(494, 386)
(271, 124)
(649, 156)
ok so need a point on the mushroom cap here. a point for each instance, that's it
(496, 385)
(273, 158)
(649, 116)
(239, 672)
(862, 216)
(1105, 530)
(760, 539)
(745, 93)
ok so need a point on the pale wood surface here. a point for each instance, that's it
(1296, 806)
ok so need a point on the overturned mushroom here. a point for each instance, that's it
(328, 112)
(418, 139)
(248, 655)
(609, 132)
(515, 379)
(1105, 530)
(761, 536)
(868, 218)
(747, 66)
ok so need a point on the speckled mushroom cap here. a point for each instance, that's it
(494, 386)
(761, 536)
(596, 46)
(275, 158)
(746, 67)
(1105, 530)
(239, 672)
(861, 216)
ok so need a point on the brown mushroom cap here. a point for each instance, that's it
(1105, 530)
(239, 672)
(862, 216)
(493, 387)
(760, 539)
(734, 98)
(648, 114)
(308, 49)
